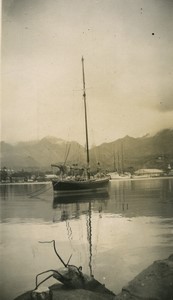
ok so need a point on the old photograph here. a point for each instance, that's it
(86, 174)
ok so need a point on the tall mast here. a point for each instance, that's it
(114, 162)
(86, 125)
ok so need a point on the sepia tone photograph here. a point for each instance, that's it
(86, 147)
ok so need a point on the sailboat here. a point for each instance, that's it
(118, 172)
(81, 184)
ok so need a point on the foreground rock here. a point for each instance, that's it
(154, 283)
(58, 292)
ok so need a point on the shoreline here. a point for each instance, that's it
(142, 178)
(25, 183)
(116, 179)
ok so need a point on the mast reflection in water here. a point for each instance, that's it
(70, 208)
(119, 233)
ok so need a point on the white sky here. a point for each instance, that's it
(129, 71)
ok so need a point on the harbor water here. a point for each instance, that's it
(114, 235)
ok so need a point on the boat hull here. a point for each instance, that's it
(72, 186)
(116, 176)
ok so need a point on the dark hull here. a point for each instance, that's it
(72, 186)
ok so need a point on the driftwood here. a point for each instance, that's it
(72, 277)
(154, 283)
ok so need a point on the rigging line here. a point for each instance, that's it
(69, 233)
(67, 154)
(66, 150)
(32, 193)
(69, 230)
(35, 195)
(78, 154)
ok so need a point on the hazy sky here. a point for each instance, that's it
(128, 51)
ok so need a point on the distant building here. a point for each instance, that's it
(18, 179)
(149, 172)
(50, 176)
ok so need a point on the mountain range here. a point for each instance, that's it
(123, 154)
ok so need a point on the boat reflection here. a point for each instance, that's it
(72, 207)
(58, 199)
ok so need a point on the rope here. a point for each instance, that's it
(37, 193)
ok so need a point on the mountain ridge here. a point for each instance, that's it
(127, 152)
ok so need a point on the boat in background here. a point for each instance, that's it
(118, 162)
(83, 182)
(140, 176)
(117, 176)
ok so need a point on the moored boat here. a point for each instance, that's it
(86, 182)
(69, 186)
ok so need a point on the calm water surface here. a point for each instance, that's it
(115, 235)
